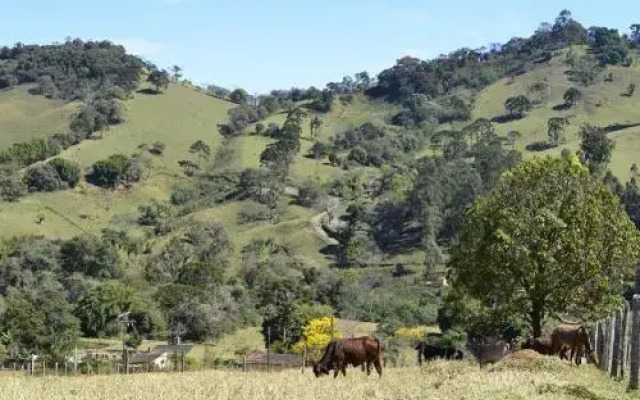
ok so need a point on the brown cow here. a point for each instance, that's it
(356, 351)
(572, 337)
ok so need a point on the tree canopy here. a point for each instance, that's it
(550, 238)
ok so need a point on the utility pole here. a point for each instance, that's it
(269, 348)
(123, 320)
(177, 332)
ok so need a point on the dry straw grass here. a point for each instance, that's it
(439, 380)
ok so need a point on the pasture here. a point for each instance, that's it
(603, 105)
(538, 379)
(177, 118)
(24, 116)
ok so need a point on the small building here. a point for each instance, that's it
(153, 361)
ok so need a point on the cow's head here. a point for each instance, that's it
(319, 369)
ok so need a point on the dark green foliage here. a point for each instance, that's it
(68, 171)
(114, 170)
(160, 79)
(200, 257)
(157, 215)
(181, 194)
(371, 145)
(475, 69)
(571, 97)
(585, 70)
(43, 178)
(98, 309)
(90, 255)
(66, 70)
(39, 321)
(96, 116)
(518, 106)
(12, 186)
(608, 46)
(239, 96)
(555, 129)
(546, 215)
(28, 152)
(596, 147)
(631, 89)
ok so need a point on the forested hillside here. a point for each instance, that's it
(124, 187)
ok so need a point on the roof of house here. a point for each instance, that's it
(144, 358)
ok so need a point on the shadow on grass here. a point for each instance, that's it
(540, 146)
(561, 107)
(619, 127)
(149, 91)
(503, 119)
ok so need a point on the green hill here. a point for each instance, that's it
(603, 105)
(23, 115)
(176, 118)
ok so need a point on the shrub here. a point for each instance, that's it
(109, 172)
(181, 194)
(309, 194)
(42, 178)
(69, 171)
(157, 215)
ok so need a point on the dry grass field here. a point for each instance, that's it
(531, 379)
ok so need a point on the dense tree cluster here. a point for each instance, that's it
(67, 70)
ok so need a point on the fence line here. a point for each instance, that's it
(617, 343)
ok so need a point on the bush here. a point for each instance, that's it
(110, 172)
(182, 193)
(309, 194)
(43, 178)
(12, 187)
(253, 212)
(69, 171)
(157, 215)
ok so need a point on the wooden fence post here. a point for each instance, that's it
(635, 343)
(600, 346)
(615, 351)
(625, 342)
(304, 356)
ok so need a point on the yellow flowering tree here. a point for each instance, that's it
(317, 334)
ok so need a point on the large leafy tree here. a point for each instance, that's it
(596, 147)
(159, 79)
(549, 238)
(518, 106)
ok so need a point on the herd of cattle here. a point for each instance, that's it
(365, 351)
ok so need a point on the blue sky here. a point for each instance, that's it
(266, 44)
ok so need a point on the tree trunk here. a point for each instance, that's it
(536, 320)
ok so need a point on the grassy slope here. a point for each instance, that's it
(439, 380)
(247, 149)
(23, 116)
(177, 118)
(614, 108)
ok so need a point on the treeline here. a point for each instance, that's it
(477, 68)
(67, 71)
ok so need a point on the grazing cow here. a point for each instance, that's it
(574, 337)
(431, 352)
(356, 351)
(542, 345)
(489, 353)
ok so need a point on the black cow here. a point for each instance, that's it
(432, 352)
